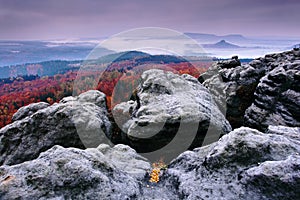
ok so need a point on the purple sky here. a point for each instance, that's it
(58, 19)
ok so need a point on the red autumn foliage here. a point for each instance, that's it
(117, 84)
(21, 93)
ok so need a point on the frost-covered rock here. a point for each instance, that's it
(233, 87)
(274, 179)
(277, 98)
(171, 113)
(29, 110)
(74, 122)
(69, 173)
(244, 164)
(269, 85)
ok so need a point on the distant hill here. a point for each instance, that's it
(19, 52)
(138, 57)
(117, 61)
(46, 68)
(221, 45)
(212, 37)
(121, 56)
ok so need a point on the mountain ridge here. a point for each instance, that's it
(204, 36)
(222, 45)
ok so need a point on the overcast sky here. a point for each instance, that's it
(59, 19)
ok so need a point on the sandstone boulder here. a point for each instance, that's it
(74, 122)
(70, 173)
(170, 114)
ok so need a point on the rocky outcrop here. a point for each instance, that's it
(277, 97)
(74, 122)
(169, 112)
(69, 173)
(232, 86)
(244, 164)
(268, 85)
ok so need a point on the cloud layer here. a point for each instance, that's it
(35, 19)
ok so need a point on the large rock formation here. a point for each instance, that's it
(232, 86)
(244, 164)
(69, 173)
(170, 111)
(277, 96)
(268, 85)
(74, 122)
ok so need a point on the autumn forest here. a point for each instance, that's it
(120, 76)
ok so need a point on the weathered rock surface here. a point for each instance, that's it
(232, 86)
(268, 85)
(274, 179)
(69, 173)
(74, 122)
(277, 97)
(29, 110)
(170, 111)
(244, 164)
